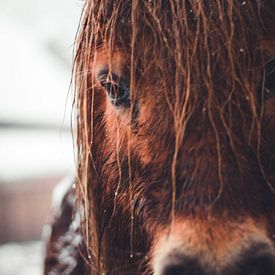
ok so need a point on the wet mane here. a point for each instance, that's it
(207, 58)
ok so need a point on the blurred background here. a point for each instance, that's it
(36, 149)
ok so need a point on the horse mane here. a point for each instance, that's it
(208, 58)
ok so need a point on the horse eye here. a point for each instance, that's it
(117, 90)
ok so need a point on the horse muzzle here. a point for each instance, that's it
(212, 248)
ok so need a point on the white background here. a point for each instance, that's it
(36, 45)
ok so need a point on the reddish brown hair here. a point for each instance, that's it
(206, 61)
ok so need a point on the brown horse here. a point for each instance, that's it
(175, 112)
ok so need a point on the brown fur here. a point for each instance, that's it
(202, 144)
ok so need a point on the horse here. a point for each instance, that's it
(175, 140)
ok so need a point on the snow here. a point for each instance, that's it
(22, 258)
(60, 192)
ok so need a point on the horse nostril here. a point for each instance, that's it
(263, 265)
(181, 265)
(258, 260)
(174, 270)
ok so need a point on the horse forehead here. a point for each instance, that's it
(115, 60)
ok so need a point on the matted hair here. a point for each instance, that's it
(207, 58)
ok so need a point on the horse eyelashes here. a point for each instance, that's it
(116, 88)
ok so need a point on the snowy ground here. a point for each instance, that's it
(22, 258)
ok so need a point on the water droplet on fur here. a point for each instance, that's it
(116, 193)
(244, 3)
(131, 255)
(89, 256)
(241, 50)
(73, 186)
